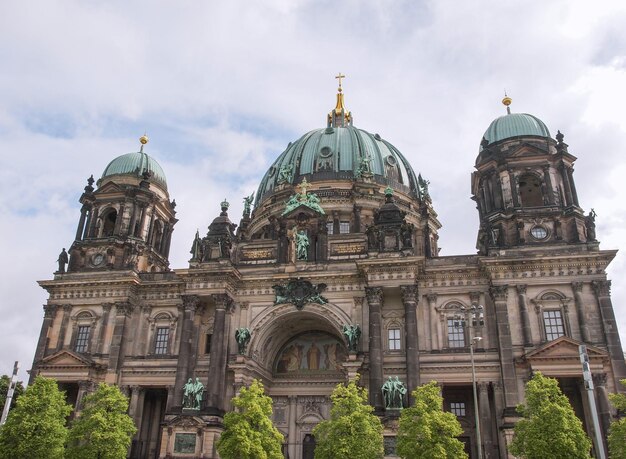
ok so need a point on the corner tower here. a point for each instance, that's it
(127, 222)
(524, 188)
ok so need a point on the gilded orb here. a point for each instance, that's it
(507, 100)
(143, 139)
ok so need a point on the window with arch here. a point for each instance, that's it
(162, 327)
(530, 191)
(394, 338)
(551, 309)
(82, 331)
(109, 220)
(455, 329)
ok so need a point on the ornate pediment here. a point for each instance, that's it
(563, 348)
(186, 422)
(66, 358)
(109, 187)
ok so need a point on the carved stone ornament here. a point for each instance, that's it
(299, 292)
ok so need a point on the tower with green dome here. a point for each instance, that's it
(127, 222)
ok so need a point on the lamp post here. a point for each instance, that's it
(470, 319)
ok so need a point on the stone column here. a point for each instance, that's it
(523, 307)
(499, 294)
(484, 411)
(577, 288)
(374, 300)
(142, 332)
(570, 177)
(84, 387)
(151, 226)
(81, 223)
(135, 407)
(142, 221)
(219, 350)
(133, 220)
(566, 185)
(548, 181)
(602, 289)
(514, 188)
(117, 231)
(67, 309)
(602, 401)
(409, 298)
(498, 400)
(497, 191)
(93, 221)
(104, 326)
(432, 313)
(50, 312)
(291, 446)
(116, 355)
(357, 219)
(184, 366)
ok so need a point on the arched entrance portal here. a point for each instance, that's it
(303, 354)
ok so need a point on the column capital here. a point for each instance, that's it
(521, 289)
(358, 300)
(474, 297)
(106, 307)
(599, 379)
(577, 287)
(499, 292)
(482, 386)
(432, 297)
(67, 308)
(223, 301)
(50, 311)
(123, 309)
(374, 295)
(409, 293)
(601, 287)
(190, 302)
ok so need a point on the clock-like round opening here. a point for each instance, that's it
(539, 232)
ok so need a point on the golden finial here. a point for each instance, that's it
(143, 140)
(304, 185)
(506, 102)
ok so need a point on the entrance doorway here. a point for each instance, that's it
(308, 447)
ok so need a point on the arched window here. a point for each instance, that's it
(530, 191)
(162, 329)
(82, 331)
(108, 223)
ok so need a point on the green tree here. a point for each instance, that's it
(426, 431)
(4, 387)
(353, 431)
(103, 430)
(549, 428)
(36, 426)
(248, 431)
(617, 432)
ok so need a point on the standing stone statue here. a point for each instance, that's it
(242, 335)
(352, 334)
(302, 245)
(63, 260)
(590, 224)
(393, 393)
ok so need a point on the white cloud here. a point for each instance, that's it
(222, 88)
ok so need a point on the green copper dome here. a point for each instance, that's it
(515, 125)
(135, 164)
(339, 153)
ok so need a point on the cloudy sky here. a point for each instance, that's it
(222, 87)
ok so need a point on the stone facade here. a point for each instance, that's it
(537, 288)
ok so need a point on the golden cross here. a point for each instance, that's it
(339, 77)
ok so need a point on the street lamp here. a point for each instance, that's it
(473, 318)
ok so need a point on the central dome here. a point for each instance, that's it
(339, 153)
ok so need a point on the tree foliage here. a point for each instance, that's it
(248, 431)
(4, 387)
(36, 428)
(353, 431)
(426, 431)
(103, 430)
(549, 428)
(617, 432)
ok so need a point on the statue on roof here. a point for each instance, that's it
(422, 187)
(247, 203)
(62, 260)
(285, 173)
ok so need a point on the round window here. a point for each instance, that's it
(326, 152)
(391, 160)
(539, 232)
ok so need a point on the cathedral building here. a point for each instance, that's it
(332, 271)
